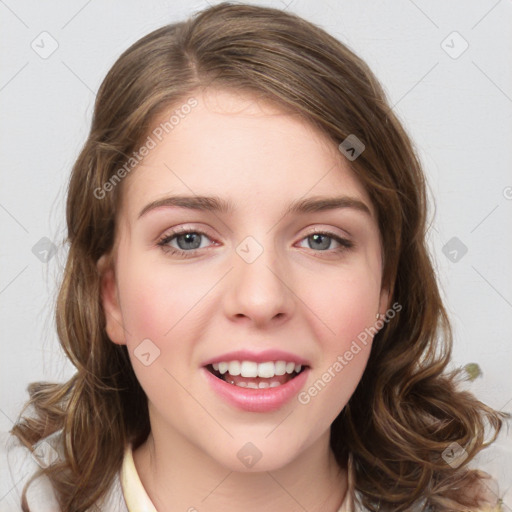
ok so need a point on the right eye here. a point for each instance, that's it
(188, 239)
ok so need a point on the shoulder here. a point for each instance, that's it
(494, 465)
(486, 490)
(19, 465)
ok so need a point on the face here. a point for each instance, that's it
(193, 288)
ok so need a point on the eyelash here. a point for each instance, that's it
(345, 244)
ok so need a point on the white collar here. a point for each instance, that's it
(137, 499)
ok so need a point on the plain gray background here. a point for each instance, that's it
(455, 102)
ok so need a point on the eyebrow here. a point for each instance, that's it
(217, 204)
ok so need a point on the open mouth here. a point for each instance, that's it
(250, 375)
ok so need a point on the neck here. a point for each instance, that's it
(180, 476)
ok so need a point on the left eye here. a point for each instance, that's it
(322, 241)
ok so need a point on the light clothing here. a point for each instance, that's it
(126, 494)
(135, 495)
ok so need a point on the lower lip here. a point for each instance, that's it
(257, 400)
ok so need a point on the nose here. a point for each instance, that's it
(259, 292)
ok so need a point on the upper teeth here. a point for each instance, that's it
(251, 369)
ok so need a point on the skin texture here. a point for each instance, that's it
(296, 296)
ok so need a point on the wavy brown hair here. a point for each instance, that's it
(407, 408)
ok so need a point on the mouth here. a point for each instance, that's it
(252, 375)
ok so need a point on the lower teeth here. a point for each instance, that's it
(253, 385)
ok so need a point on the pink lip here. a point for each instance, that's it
(257, 400)
(258, 357)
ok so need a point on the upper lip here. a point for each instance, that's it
(258, 357)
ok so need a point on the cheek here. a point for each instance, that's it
(346, 331)
(346, 305)
(163, 310)
(345, 336)
(146, 307)
(155, 299)
(154, 305)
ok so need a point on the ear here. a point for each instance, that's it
(110, 301)
(384, 301)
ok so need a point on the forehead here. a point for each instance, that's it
(234, 146)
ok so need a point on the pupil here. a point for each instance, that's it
(326, 239)
(189, 239)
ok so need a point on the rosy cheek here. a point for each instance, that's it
(158, 301)
(149, 309)
(349, 308)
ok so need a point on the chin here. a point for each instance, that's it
(256, 456)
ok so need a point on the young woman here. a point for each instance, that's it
(248, 297)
